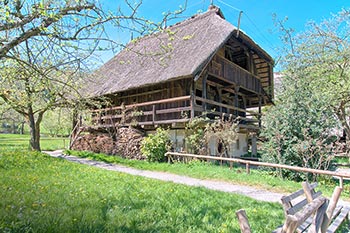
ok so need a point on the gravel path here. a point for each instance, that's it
(254, 193)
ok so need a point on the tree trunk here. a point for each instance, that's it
(34, 135)
(341, 114)
(35, 129)
(22, 127)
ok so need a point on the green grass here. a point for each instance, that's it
(257, 178)
(342, 160)
(44, 194)
(21, 142)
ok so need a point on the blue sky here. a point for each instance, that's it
(257, 15)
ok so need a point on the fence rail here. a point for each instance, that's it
(340, 175)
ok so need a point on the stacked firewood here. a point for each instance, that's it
(97, 142)
(125, 142)
(128, 143)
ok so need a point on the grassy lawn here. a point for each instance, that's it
(44, 194)
(17, 141)
(257, 178)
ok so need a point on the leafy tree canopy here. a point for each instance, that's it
(46, 51)
(314, 97)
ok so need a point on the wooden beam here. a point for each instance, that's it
(163, 101)
(226, 106)
(204, 91)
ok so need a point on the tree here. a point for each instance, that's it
(10, 120)
(321, 55)
(298, 130)
(45, 52)
(315, 95)
(57, 122)
(324, 52)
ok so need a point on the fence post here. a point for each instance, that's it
(243, 221)
(247, 168)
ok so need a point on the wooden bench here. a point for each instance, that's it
(333, 214)
(306, 210)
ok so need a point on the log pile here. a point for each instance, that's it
(126, 143)
(95, 142)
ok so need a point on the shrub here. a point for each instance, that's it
(154, 146)
(195, 135)
(201, 129)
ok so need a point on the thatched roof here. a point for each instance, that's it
(177, 52)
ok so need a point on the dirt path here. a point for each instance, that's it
(254, 193)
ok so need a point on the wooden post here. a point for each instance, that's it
(341, 183)
(219, 98)
(290, 225)
(254, 145)
(243, 221)
(236, 100)
(153, 113)
(169, 159)
(307, 191)
(330, 209)
(259, 116)
(247, 168)
(271, 83)
(204, 91)
(192, 100)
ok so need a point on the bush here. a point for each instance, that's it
(200, 130)
(298, 131)
(154, 146)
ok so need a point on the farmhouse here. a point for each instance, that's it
(202, 65)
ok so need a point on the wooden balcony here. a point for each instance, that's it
(173, 111)
(234, 74)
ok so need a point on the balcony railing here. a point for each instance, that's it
(171, 111)
(233, 73)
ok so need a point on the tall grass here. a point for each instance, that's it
(43, 194)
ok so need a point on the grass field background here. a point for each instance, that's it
(44, 194)
(21, 142)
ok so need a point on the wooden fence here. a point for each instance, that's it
(248, 163)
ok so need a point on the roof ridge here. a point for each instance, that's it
(194, 18)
